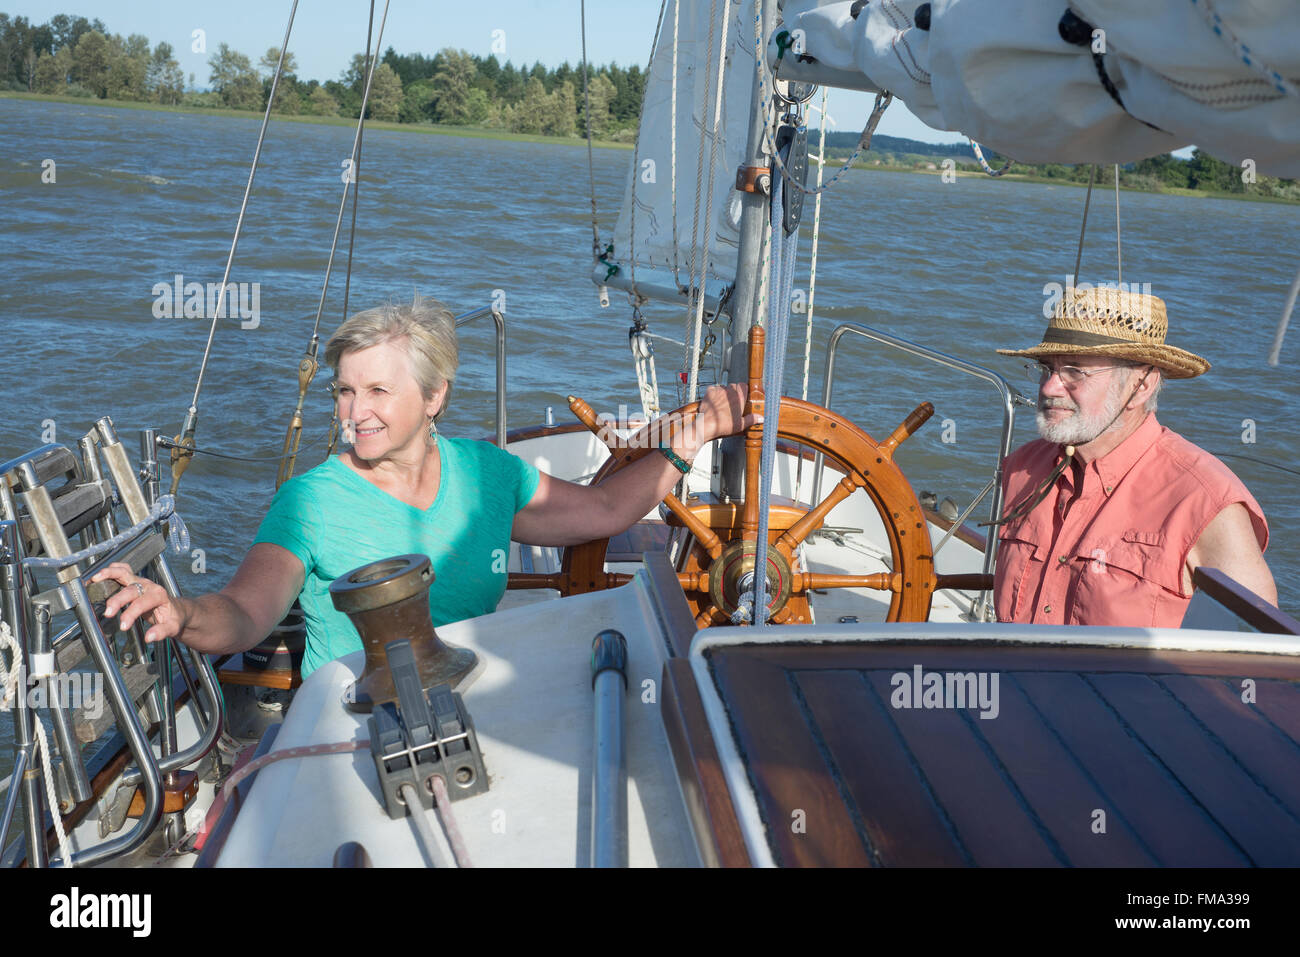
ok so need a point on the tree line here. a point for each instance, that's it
(79, 57)
(1155, 174)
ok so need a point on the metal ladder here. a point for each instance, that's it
(47, 498)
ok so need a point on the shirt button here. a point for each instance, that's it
(1110, 488)
(1047, 609)
(1063, 559)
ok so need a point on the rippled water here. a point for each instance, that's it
(142, 196)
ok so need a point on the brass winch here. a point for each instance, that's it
(387, 601)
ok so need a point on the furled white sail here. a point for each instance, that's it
(647, 248)
(1222, 74)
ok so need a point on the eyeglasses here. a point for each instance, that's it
(1040, 372)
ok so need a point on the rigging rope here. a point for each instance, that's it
(164, 443)
(692, 385)
(1243, 52)
(883, 99)
(812, 279)
(1276, 352)
(979, 155)
(812, 266)
(9, 683)
(1119, 254)
(1087, 201)
(783, 260)
(239, 223)
(354, 159)
(636, 156)
(591, 163)
(356, 182)
(672, 140)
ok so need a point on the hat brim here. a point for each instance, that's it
(1175, 363)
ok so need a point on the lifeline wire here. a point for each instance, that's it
(1083, 226)
(356, 142)
(239, 223)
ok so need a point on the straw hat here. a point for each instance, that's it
(1117, 324)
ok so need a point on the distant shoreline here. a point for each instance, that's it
(469, 132)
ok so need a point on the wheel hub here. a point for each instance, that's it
(736, 563)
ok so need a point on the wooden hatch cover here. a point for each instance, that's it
(1097, 756)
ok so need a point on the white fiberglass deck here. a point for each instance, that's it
(532, 709)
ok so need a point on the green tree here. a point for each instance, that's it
(561, 111)
(68, 31)
(128, 67)
(601, 93)
(164, 80)
(234, 79)
(417, 102)
(451, 87)
(319, 103)
(528, 115)
(52, 71)
(385, 94)
(91, 62)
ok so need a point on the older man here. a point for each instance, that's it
(1109, 512)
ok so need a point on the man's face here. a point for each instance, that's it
(1073, 413)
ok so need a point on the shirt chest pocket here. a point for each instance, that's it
(1123, 582)
(1019, 552)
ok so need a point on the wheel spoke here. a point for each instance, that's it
(705, 618)
(972, 581)
(917, 418)
(587, 416)
(880, 581)
(703, 534)
(693, 582)
(796, 533)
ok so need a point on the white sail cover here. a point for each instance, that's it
(645, 230)
(1221, 74)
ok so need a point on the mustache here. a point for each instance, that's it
(1045, 403)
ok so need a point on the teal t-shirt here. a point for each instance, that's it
(334, 520)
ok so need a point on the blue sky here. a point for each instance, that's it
(327, 32)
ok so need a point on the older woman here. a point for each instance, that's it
(402, 489)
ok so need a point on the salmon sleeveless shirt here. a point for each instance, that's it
(1110, 549)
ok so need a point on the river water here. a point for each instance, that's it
(140, 197)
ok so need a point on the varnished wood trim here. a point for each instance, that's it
(989, 656)
(1244, 603)
(537, 432)
(699, 770)
(233, 672)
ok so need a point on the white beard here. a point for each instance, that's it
(1079, 429)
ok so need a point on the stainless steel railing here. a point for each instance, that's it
(499, 318)
(1010, 399)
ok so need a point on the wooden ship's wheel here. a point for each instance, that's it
(722, 553)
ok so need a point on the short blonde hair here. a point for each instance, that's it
(429, 329)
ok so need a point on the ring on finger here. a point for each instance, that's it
(138, 588)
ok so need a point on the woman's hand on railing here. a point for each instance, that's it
(139, 599)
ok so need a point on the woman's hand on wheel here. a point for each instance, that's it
(722, 413)
(139, 599)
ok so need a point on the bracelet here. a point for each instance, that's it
(678, 462)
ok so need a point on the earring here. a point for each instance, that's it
(433, 432)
